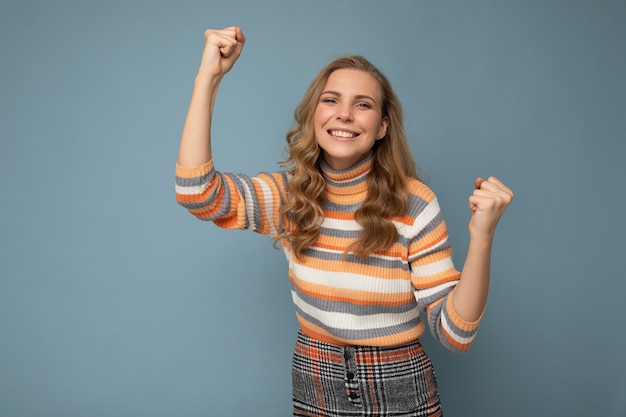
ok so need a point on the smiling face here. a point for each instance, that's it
(348, 117)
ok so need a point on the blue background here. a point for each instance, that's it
(115, 302)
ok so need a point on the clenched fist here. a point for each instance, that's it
(487, 203)
(221, 50)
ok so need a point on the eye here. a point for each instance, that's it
(364, 106)
(329, 100)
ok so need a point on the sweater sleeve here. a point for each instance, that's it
(232, 201)
(435, 277)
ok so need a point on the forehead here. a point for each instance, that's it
(352, 82)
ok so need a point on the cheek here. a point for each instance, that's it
(317, 117)
(373, 122)
(320, 117)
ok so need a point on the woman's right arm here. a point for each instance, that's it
(221, 50)
(230, 201)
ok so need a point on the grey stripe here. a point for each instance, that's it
(434, 222)
(283, 177)
(363, 334)
(416, 205)
(439, 247)
(423, 302)
(455, 329)
(394, 263)
(348, 234)
(223, 210)
(247, 192)
(345, 183)
(434, 322)
(195, 181)
(341, 208)
(350, 308)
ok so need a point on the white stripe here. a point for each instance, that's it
(269, 204)
(433, 268)
(426, 216)
(341, 225)
(354, 322)
(427, 292)
(434, 248)
(456, 337)
(249, 202)
(352, 225)
(192, 189)
(373, 255)
(344, 280)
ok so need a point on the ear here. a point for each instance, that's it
(383, 128)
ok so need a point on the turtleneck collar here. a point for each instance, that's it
(352, 180)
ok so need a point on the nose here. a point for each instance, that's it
(344, 113)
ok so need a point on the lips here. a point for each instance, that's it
(345, 134)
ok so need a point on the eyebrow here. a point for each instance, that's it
(358, 97)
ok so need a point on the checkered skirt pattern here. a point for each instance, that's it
(350, 381)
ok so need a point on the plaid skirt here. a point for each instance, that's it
(349, 381)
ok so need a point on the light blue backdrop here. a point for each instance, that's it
(115, 302)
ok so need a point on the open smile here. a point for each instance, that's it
(344, 134)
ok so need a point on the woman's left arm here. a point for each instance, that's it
(487, 203)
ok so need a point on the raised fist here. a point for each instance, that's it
(221, 50)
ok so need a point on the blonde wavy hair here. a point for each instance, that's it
(387, 194)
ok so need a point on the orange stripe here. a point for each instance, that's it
(434, 237)
(316, 332)
(421, 283)
(357, 297)
(193, 172)
(457, 345)
(324, 265)
(339, 244)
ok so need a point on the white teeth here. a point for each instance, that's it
(342, 133)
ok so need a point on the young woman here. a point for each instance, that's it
(365, 240)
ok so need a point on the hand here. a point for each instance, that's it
(487, 203)
(221, 50)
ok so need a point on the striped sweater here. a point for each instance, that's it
(346, 300)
